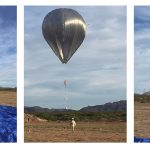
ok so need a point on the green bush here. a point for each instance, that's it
(141, 98)
(83, 116)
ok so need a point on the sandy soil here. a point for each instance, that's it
(8, 98)
(142, 120)
(53, 131)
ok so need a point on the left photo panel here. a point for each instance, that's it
(8, 74)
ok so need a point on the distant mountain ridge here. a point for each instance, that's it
(142, 98)
(119, 106)
(147, 93)
(114, 106)
(38, 109)
(8, 89)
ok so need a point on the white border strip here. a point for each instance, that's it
(130, 74)
(20, 74)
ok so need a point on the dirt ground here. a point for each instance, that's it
(142, 119)
(53, 131)
(8, 98)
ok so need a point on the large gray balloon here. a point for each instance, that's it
(64, 30)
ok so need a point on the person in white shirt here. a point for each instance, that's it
(73, 124)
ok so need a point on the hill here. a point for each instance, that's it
(37, 109)
(108, 107)
(32, 118)
(8, 89)
(109, 111)
(118, 106)
(147, 93)
(142, 98)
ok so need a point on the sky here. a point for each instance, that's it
(7, 46)
(142, 49)
(96, 74)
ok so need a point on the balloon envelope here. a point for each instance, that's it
(64, 30)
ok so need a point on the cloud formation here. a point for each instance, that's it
(96, 73)
(142, 49)
(8, 46)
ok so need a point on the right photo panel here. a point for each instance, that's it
(142, 74)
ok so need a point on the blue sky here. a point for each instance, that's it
(142, 49)
(96, 73)
(8, 46)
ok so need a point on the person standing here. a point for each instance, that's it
(73, 124)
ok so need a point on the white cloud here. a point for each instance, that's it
(7, 55)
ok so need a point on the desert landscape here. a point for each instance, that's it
(8, 96)
(60, 131)
(142, 119)
(142, 115)
(100, 123)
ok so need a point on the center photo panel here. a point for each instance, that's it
(75, 74)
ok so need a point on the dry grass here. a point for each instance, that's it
(142, 119)
(8, 98)
(85, 132)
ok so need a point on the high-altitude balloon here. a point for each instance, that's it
(64, 30)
